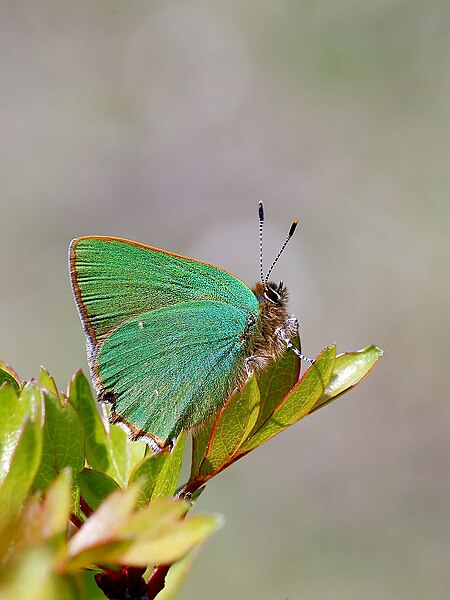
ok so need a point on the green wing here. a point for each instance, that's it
(166, 334)
(171, 368)
(114, 279)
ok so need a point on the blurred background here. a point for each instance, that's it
(166, 122)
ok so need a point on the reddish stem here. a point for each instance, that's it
(87, 510)
(76, 521)
(85, 507)
(190, 488)
(157, 581)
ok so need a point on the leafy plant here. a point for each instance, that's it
(85, 513)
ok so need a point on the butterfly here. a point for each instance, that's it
(169, 338)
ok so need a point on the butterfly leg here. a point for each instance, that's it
(291, 326)
(255, 363)
(250, 366)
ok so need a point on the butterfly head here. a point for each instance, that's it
(275, 293)
(272, 298)
(272, 294)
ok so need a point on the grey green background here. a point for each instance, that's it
(166, 122)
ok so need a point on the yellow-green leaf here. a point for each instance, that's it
(63, 441)
(233, 425)
(148, 472)
(276, 381)
(33, 577)
(349, 369)
(298, 402)
(95, 486)
(47, 518)
(8, 374)
(6, 377)
(172, 543)
(47, 381)
(200, 439)
(80, 397)
(23, 465)
(166, 482)
(108, 448)
(14, 409)
(102, 528)
(57, 505)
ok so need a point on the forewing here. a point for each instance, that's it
(170, 368)
(114, 280)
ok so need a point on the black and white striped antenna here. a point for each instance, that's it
(289, 235)
(281, 332)
(261, 226)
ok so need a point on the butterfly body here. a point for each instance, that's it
(268, 345)
(168, 337)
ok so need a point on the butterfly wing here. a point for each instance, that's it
(170, 368)
(166, 335)
(114, 279)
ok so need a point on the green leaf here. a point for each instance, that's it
(11, 418)
(200, 439)
(136, 452)
(123, 454)
(148, 471)
(32, 398)
(14, 410)
(82, 400)
(118, 445)
(24, 464)
(34, 577)
(16, 415)
(88, 588)
(95, 486)
(6, 377)
(63, 441)
(276, 381)
(349, 369)
(57, 505)
(47, 519)
(108, 448)
(166, 483)
(9, 371)
(233, 425)
(47, 381)
(298, 402)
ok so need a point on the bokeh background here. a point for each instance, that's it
(166, 122)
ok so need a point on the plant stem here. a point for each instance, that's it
(157, 581)
(76, 521)
(85, 507)
(189, 488)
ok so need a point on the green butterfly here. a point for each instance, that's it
(168, 337)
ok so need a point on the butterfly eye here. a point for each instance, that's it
(272, 295)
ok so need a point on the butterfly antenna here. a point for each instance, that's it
(261, 225)
(289, 235)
